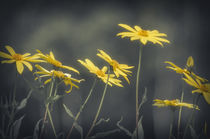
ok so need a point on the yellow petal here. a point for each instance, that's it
(70, 68)
(5, 55)
(143, 40)
(190, 61)
(19, 66)
(10, 50)
(26, 54)
(52, 55)
(138, 28)
(127, 27)
(207, 97)
(8, 61)
(28, 65)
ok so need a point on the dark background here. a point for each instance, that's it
(75, 29)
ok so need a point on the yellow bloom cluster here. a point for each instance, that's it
(173, 103)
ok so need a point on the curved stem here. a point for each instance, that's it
(81, 108)
(137, 90)
(100, 105)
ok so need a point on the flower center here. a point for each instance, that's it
(17, 57)
(100, 73)
(143, 33)
(114, 64)
(58, 74)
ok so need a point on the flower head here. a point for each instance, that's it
(65, 77)
(51, 59)
(173, 103)
(137, 33)
(101, 73)
(19, 59)
(118, 69)
(203, 88)
(182, 71)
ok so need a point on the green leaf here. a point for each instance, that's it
(53, 99)
(144, 98)
(37, 130)
(103, 134)
(102, 120)
(68, 111)
(140, 130)
(24, 101)
(127, 132)
(14, 129)
(79, 129)
(193, 133)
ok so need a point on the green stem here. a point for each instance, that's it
(47, 109)
(100, 105)
(180, 114)
(171, 126)
(195, 102)
(137, 90)
(81, 108)
(51, 121)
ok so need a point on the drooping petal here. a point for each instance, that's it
(28, 65)
(52, 55)
(19, 66)
(207, 97)
(70, 68)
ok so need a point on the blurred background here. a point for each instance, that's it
(75, 29)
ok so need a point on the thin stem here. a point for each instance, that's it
(137, 90)
(81, 108)
(195, 102)
(51, 121)
(180, 114)
(100, 105)
(47, 107)
(171, 126)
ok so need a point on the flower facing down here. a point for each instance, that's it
(118, 69)
(101, 73)
(137, 33)
(19, 59)
(51, 60)
(65, 77)
(203, 88)
(173, 103)
(182, 71)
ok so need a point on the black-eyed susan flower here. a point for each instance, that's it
(182, 71)
(101, 73)
(137, 33)
(51, 60)
(173, 103)
(203, 88)
(118, 69)
(19, 59)
(65, 77)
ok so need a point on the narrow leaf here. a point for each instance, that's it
(24, 101)
(79, 129)
(127, 132)
(14, 130)
(37, 130)
(140, 130)
(104, 134)
(102, 120)
(193, 133)
(68, 111)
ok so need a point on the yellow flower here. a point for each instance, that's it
(101, 73)
(119, 69)
(19, 59)
(65, 77)
(203, 88)
(51, 59)
(190, 62)
(174, 103)
(182, 71)
(137, 33)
